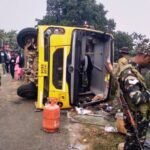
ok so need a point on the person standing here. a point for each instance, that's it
(2, 59)
(12, 65)
(7, 60)
(137, 97)
(1, 68)
(18, 69)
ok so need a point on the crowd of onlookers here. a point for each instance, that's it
(11, 62)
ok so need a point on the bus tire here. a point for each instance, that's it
(28, 91)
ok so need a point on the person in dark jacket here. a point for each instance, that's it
(12, 65)
(2, 59)
(7, 60)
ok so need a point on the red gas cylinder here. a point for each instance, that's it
(51, 116)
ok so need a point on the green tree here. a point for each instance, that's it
(141, 42)
(75, 12)
(122, 39)
(2, 33)
(10, 38)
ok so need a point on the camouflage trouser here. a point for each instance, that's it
(131, 142)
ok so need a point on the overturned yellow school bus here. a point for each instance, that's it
(71, 63)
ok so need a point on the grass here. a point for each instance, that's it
(98, 139)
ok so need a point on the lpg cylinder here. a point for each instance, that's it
(51, 116)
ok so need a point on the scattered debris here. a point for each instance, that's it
(120, 122)
(82, 111)
(121, 146)
(85, 140)
(110, 129)
(73, 147)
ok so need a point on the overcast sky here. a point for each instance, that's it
(129, 15)
(18, 14)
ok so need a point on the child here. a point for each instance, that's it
(18, 69)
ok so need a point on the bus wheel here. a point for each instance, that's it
(28, 91)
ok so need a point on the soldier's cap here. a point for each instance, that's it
(124, 50)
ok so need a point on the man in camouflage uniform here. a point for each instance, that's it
(137, 97)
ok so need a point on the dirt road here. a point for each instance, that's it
(21, 126)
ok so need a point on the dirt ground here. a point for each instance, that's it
(21, 127)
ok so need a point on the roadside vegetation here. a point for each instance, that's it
(99, 139)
